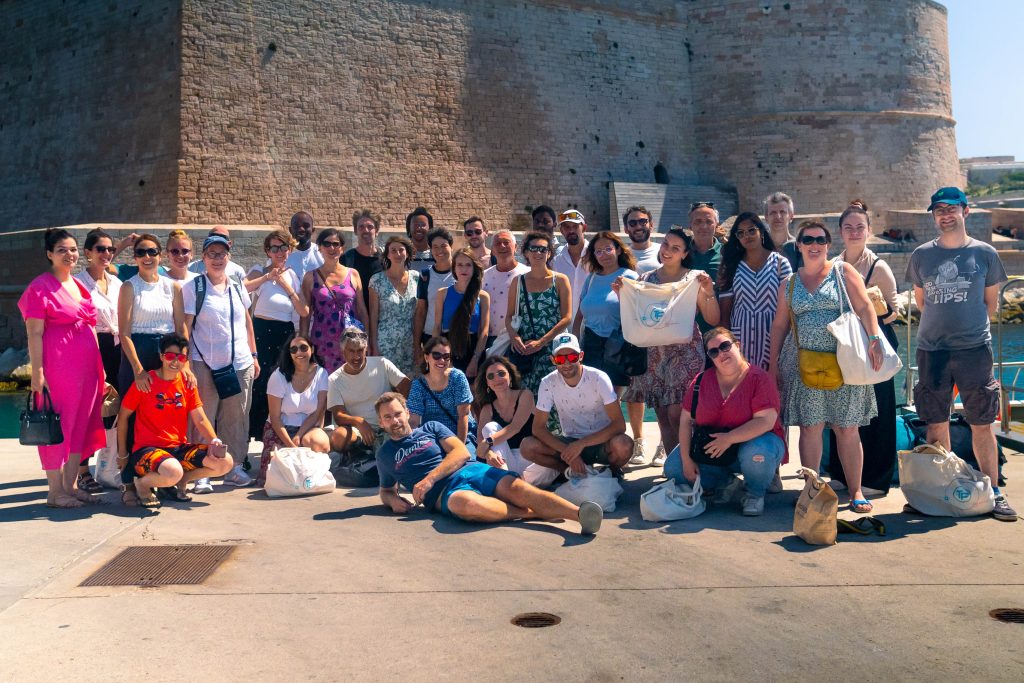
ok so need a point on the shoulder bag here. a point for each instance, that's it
(40, 426)
(852, 346)
(702, 437)
(818, 369)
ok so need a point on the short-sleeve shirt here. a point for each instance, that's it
(366, 266)
(359, 392)
(577, 273)
(497, 285)
(581, 409)
(647, 259)
(756, 391)
(451, 397)
(709, 261)
(304, 261)
(431, 280)
(408, 460)
(211, 333)
(954, 280)
(600, 305)
(235, 272)
(296, 406)
(273, 303)
(161, 415)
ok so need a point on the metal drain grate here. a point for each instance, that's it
(1009, 615)
(536, 619)
(160, 565)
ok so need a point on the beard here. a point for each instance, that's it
(644, 235)
(572, 239)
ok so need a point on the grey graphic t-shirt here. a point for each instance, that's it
(954, 282)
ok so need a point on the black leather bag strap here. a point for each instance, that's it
(696, 393)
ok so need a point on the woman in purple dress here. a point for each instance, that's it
(60, 318)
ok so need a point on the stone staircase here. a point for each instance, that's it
(668, 204)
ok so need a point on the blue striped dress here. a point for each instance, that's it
(755, 297)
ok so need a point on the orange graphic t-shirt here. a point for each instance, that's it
(161, 416)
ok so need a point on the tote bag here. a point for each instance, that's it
(817, 510)
(601, 488)
(658, 315)
(107, 471)
(670, 501)
(852, 348)
(937, 482)
(299, 472)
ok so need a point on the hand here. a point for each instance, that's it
(400, 505)
(773, 372)
(420, 490)
(142, 382)
(875, 353)
(617, 284)
(707, 287)
(217, 449)
(494, 459)
(127, 241)
(255, 367)
(690, 469)
(531, 347)
(518, 345)
(417, 356)
(189, 377)
(365, 432)
(38, 381)
(719, 443)
(572, 455)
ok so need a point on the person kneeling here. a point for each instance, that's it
(434, 464)
(737, 422)
(163, 458)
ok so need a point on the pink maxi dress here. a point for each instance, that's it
(71, 364)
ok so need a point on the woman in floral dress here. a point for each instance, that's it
(392, 305)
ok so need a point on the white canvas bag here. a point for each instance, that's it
(601, 488)
(669, 501)
(107, 472)
(852, 348)
(938, 482)
(658, 315)
(298, 472)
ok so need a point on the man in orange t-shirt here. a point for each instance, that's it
(163, 458)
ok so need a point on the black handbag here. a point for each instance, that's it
(702, 437)
(619, 353)
(40, 426)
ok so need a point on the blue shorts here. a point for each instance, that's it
(473, 476)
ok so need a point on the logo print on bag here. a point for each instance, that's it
(308, 484)
(654, 315)
(962, 494)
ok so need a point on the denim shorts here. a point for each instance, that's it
(971, 371)
(474, 476)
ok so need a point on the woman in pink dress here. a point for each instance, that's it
(61, 321)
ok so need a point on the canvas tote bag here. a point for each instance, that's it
(938, 482)
(658, 315)
(299, 472)
(852, 347)
(817, 509)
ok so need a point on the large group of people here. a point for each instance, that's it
(478, 377)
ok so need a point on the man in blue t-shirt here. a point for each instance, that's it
(431, 462)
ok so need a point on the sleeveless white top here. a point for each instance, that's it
(153, 311)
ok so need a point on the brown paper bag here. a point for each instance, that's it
(814, 519)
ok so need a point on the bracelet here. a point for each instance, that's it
(874, 338)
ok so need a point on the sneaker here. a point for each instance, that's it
(237, 477)
(203, 486)
(776, 485)
(659, 456)
(638, 453)
(591, 515)
(1002, 511)
(753, 506)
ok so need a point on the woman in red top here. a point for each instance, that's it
(738, 404)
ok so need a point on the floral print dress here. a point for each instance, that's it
(394, 319)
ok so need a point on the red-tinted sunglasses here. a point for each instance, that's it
(563, 358)
(170, 355)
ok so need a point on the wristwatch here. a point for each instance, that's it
(874, 337)
(489, 440)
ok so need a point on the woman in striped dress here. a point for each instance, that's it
(748, 282)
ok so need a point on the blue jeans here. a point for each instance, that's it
(757, 461)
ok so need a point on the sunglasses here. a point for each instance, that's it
(331, 245)
(701, 205)
(437, 355)
(818, 239)
(570, 216)
(216, 255)
(474, 233)
(721, 348)
(277, 248)
(180, 252)
(536, 249)
(170, 356)
(105, 250)
(638, 222)
(303, 348)
(497, 373)
(563, 358)
(744, 233)
(151, 251)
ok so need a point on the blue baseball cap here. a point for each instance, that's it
(948, 195)
(216, 239)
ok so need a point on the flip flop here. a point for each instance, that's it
(66, 506)
(173, 493)
(865, 526)
(151, 503)
(861, 506)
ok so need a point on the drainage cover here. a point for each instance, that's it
(160, 565)
(536, 619)
(1009, 615)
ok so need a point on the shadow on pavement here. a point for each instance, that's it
(22, 484)
(114, 508)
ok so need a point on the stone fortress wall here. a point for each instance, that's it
(205, 111)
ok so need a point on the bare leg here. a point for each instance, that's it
(810, 446)
(343, 438)
(535, 451)
(985, 451)
(69, 475)
(317, 440)
(939, 433)
(543, 504)
(851, 455)
(473, 507)
(635, 411)
(168, 474)
(668, 423)
(212, 468)
(58, 495)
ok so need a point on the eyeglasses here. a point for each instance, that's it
(277, 248)
(151, 251)
(331, 245)
(216, 255)
(299, 348)
(354, 334)
(743, 233)
(437, 355)
(180, 252)
(721, 348)
(474, 233)
(171, 356)
(105, 250)
(536, 249)
(638, 222)
(817, 239)
(497, 373)
(563, 358)
(605, 251)
(701, 205)
(946, 209)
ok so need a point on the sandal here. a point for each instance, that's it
(87, 483)
(865, 526)
(130, 498)
(861, 506)
(69, 503)
(150, 503)
(174, 493)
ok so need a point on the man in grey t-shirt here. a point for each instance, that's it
(956, 285)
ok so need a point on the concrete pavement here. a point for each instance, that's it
(333, 588)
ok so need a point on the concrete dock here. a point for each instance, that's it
(334, 588)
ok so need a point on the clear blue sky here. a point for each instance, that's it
(986, 57)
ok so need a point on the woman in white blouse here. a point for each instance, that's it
(276, 310)
(297, 402)
(104, 288)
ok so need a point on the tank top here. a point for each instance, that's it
(452, 299)
(517, 438)
(153, 310)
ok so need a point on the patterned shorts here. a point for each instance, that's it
(149, 459)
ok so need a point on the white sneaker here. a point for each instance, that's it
(237, 477)
(202, 486)
(776, 485)
(753, 506)
(660, 456)
(638, 453)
